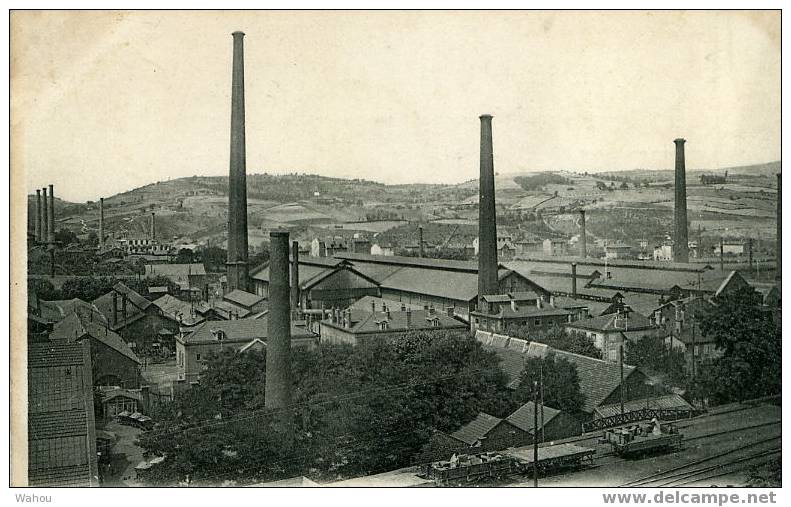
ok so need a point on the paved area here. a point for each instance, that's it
(125, 455)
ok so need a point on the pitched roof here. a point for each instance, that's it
(175, 270)
(476, 429)
(613, 322)
(135, 307)
(524, 417)
(239, 330)
(174, 308)
(56, 413)
(525, 311)
(243, 298)
(74, 327)
(366, 321)
(598, 379)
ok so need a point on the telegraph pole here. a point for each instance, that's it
(541, 394)
(693, 340)
(535, 434)
(620, 358)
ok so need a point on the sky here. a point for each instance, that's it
(103, 102)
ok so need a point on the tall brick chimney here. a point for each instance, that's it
(680, 236)
(45, 217)
(277, 391)
(295, 276)
(583, 236)
(37, 218)
(51, 217)
(237, 181)
(101, 223)
(153, 227)
(487, 220)
(420, 250)
(51, 239)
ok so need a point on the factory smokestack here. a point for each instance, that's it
(51, 239)
(583, 236)
(153, 226)
(277, 391)
(421, 253)
(487, 220)
(45, 217)
(295, 276)
(778, 273)
(37, 218)
(101, 223)
(680, 236)
(237, 181)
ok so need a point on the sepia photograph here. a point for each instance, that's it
(396, 248)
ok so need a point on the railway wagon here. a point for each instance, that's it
(641, 439)
(469, 468)
(552, 458)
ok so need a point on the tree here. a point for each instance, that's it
(652, 353)
(750, 341)
(65, 237)
(624, 186)
(560, 381)
(214, 258)
(93, 239)
(184, 256)
(87, 288)
(357, 410)
(43, 289)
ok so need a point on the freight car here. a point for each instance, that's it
(642, 439)
(469, 468)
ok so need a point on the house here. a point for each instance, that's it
(484, 433)
(663, 252)
(608, 332)
(114, 362)
(132, 316)
(183, 314)
(618, 251)
(359, 244)
(60, 415)
(529, 246)
(382, 249)
(499, 312)
(191, 278)
(556, 423)
(555, 247)
(212, 337)
(356, 326)
(600, 381)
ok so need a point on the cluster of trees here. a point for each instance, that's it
(558, 379)
(650, 353)
(356, 410)
(557, 338)
(541, 180)
(750, 341)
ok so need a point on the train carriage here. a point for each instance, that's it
(642, 439)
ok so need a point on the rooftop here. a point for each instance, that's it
(243, 298)
(614, 322)
(524, 417)
(366, 321)
(238, 330)
(74, 327)
(598, 379)
(476, 429)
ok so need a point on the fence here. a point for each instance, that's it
(643, 414)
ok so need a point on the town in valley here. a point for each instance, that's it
(522, 328)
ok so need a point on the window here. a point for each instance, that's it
(197, 356)
(538, 322)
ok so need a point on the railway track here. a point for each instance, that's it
(690, 439)
(683, 472)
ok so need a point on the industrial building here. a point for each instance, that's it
(360, 325)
